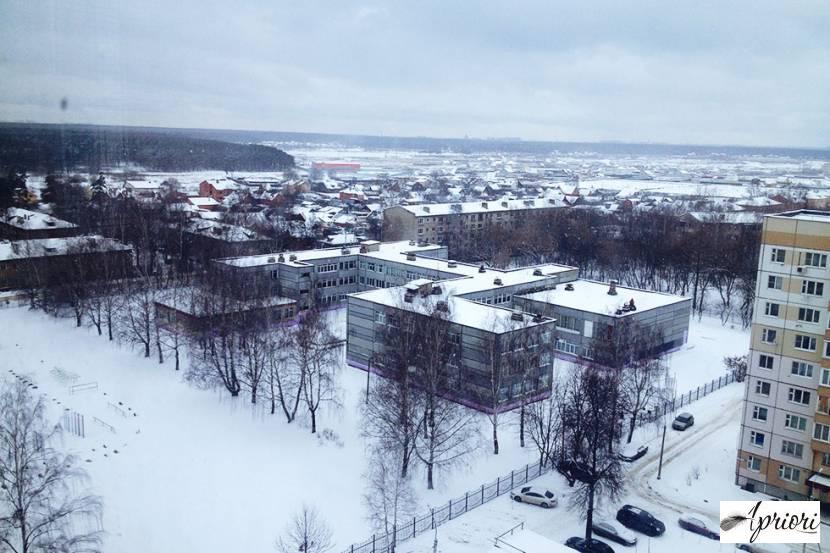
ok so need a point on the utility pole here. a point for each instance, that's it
(368, 374)
(662, 445)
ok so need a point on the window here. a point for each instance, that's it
(778, 255)
(791, 474)
(757, 438)
(804, 342)
(808, 315)
(768, 336)
(795, 395)
(825, 377)
(800, 368)
(327, 268)
(568, 322)
(815, 259)
(792, 449)
(759, 413)
(771, 309)
(765, 361)
(753, 463)
(821, 432)
(812, 287)
(775, 282)
(380, 317)
(825, 459)
(827, 348)
(762, 388)
(795, 422)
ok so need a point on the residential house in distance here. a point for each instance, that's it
(23, 224)
(206, 239)
(784, 448)
(437, 223)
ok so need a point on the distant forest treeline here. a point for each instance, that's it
(51, 148)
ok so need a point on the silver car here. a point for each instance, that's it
(614, 532)
(535, 496)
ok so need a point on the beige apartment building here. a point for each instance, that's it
(439, 223)
(784, 447)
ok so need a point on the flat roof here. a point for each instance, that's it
(593, 297)
(479, 282)
(193, 301)
(491, 318)
(393, 249)
(32, 220)
(428, 210)
(45, 247)
(805, 215)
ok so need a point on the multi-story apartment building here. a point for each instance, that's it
(784, 447)
(438, 223)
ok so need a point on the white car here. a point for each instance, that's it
(535, 496)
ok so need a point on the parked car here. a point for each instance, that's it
(763, 547)
(613, 532)
(683, 421)
(640, 520)
(574, 471)
(581, 545)
(535, 496)
(699, 524)
(641, 451)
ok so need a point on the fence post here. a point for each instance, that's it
(540, 469)
(498, 487)
(482, 494)
(698, 393)
(527, 468)
(373, 543)
(511, 480)
(466, 501)
(433, 519)
(450, 504)
(414, 519)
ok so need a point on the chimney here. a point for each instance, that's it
(569, 287)
(504, 204)
(517, 316)
(497, 281)
(484, 205)
(292, 257)
(410, 257)
(442, 306)
(345, 251)
(271, 260)
(482, 269)
(537, 272)
(452, 264)
(612, 288)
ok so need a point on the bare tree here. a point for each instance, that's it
(544, 424)
(389, 496)
(587, 416)
(138, 312)
(307, 533)
(40, 509)
(315, 351)
(283, 379)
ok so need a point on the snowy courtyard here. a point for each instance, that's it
(184, 469)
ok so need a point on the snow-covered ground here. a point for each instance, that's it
(698, 472)
(182, 469)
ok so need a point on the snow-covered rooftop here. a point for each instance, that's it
(395, 250)
(593, 297)
(32, 220)
(43, 247)
(194, 301)
(460, 311)
(427, 210)
(806, 215)
(222, 231)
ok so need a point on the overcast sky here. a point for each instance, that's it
(696, 71)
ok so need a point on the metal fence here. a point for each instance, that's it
(383, 543)
(689, 397)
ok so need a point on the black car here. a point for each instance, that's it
(640, 520)
(573, 471)
(581, 545)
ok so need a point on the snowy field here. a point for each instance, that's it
(182, 469)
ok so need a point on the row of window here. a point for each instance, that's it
(800, 341)
(330, 282)
(809, 287)
(797, 368)
(794, 395)
(805, 314)
(810, 259)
